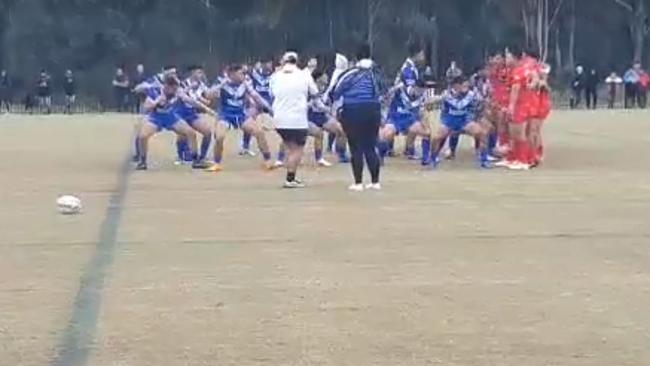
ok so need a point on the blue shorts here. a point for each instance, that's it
(402, 122)
(164, 121)
(188, 114)
(235, 120)
(457, 124)
(319, 119)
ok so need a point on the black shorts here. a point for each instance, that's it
(293, 136)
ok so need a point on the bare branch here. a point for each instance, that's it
(625, 5)
(555, 14)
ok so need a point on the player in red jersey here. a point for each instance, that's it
(542, 109)
(521, 108)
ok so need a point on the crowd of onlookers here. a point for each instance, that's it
(39, 96)
(634, 85)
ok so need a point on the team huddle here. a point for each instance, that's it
(502, 106)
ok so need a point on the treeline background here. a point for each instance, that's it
(92, 37)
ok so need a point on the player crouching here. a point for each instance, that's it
(405, 118)
(458, 115)
(160, 107)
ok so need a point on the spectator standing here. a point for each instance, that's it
(591, 89)
(44, 92)
(5, 92)
(121, 90)
(577, 87)
(631, 80)
(138, 79)
(70, 91)
(613, 81)
(642, 92)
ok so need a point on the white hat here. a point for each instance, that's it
(289, 56)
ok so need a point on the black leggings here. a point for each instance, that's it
(361, 125)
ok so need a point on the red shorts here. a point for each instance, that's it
(524, 111)
(542, 107)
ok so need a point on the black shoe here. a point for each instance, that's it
(135, 158)
(201, 164)
(141, 166)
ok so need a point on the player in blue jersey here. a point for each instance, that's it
(155, 81)
(160, 108)
(235, 95)
(459, 107)
(405, 118)
(479, 84)
(259, 77)
(408, 76)
(409, 73)
(201, 118)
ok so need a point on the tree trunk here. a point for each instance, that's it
(433, 52)
(571, 63)
(330, 24)
(638, 30)
(558, 50)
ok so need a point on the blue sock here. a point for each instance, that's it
(331, 139)
(181, 148)
(137, 147)
(266, 156)
(205, 146)
(384, 148)
(217, 159)
(426, 151)
(318, 154)
(246, 141)
(281, 155)
(453, 143)
(434, 155)
(483, 157)
(391, 147)
(342, 153)
(492, 142)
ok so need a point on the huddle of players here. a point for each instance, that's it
(503, 108)
(243, 101)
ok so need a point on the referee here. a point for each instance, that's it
(291, 89)
(359, 89)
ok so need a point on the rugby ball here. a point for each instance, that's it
(68, 205)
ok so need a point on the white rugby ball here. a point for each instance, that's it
(68, 205)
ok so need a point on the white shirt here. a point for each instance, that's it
(613, 80)
(291, 88)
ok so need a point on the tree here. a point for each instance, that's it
(637, 19)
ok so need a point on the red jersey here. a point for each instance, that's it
(500, 76)
(522, 75)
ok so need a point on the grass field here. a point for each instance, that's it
(452, 267)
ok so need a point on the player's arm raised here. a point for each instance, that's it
(150, 104)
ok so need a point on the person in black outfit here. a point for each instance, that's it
(577, 87)
(5, 91)
(591, 89)
(44, 92)
(360, 89)
(70, 90)
(121, 90)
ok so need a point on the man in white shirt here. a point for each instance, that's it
(291, 88)
(613, 81)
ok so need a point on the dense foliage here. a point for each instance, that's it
(93, 36)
